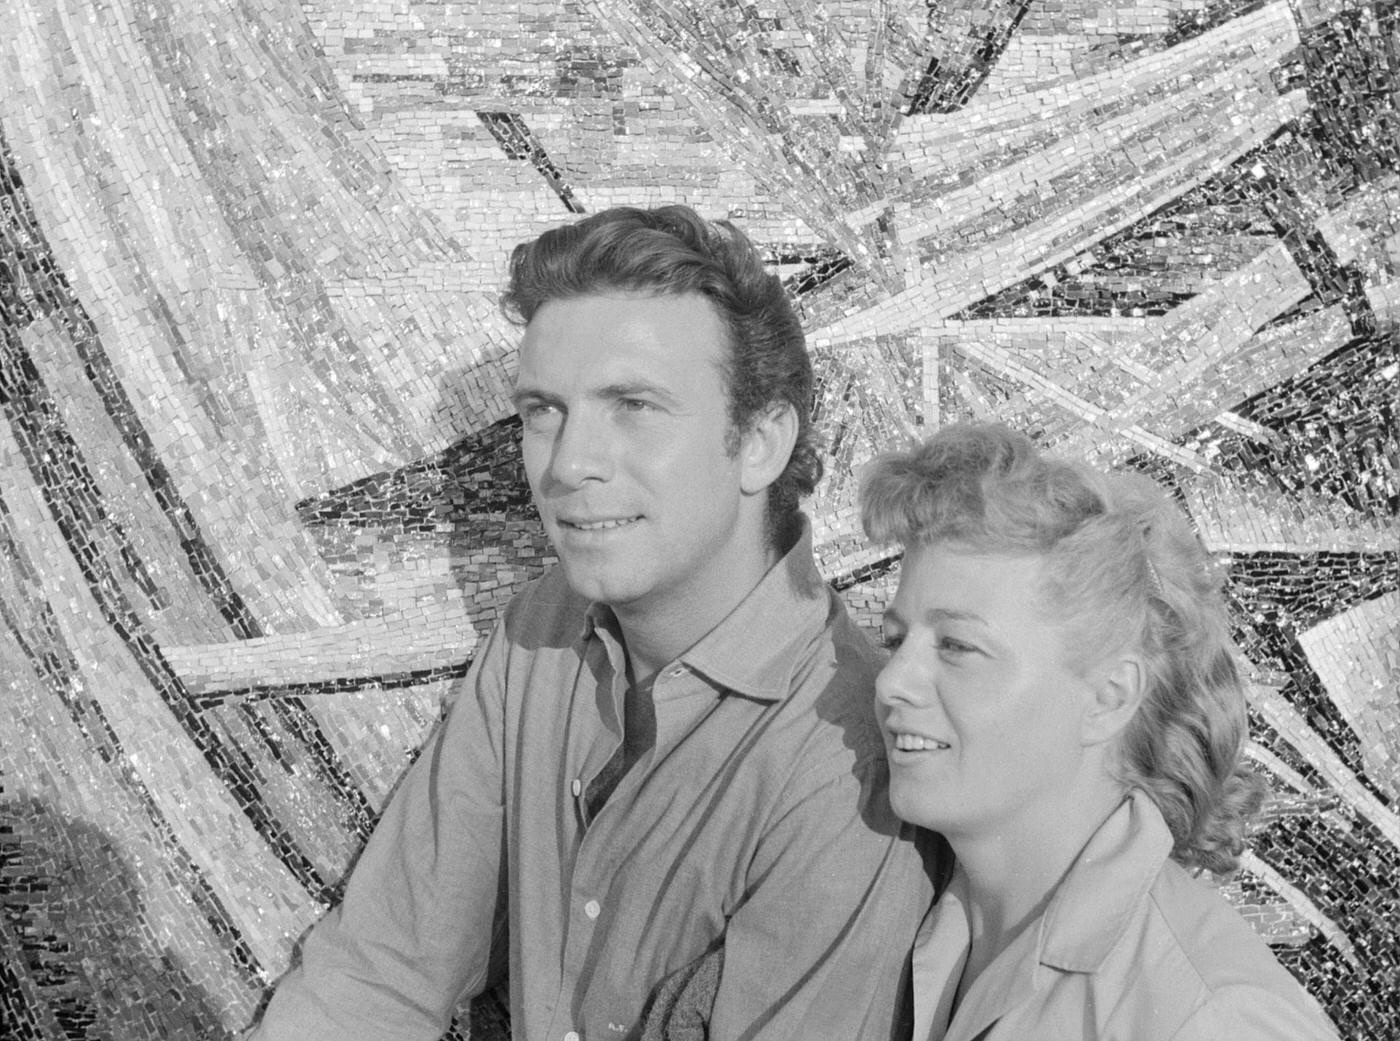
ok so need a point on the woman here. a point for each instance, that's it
(1063, 705)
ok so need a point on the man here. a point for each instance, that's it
(665, 753)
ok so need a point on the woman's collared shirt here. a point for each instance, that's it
(1130, 948)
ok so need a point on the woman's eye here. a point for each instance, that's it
(891, 641)
(951, 646)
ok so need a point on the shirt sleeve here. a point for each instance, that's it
(423, 907)
(820, 944)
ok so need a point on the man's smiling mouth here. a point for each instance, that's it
(599, 525)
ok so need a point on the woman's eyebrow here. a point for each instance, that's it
(935, 614)
(948, 614)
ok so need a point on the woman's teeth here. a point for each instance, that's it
(916, 743)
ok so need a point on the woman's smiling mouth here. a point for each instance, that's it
(907, 742)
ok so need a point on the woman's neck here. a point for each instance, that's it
(1011, 872)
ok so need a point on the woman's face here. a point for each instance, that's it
(981, 715)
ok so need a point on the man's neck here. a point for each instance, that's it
(655, 635)
(653, 638)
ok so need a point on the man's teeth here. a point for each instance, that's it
(916, 743)
(601, 525)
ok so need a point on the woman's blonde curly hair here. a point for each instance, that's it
(1124, 570)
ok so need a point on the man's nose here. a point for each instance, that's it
(582, 451)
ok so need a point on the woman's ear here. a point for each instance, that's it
(1118, 689)
(766, 447)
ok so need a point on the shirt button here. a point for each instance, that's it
(576, 787)
(572, 1035)
(592, 909)
(677, 672)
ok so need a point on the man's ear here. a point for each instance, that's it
(766, 447)
(1117, 691)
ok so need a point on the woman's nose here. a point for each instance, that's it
(894, 683)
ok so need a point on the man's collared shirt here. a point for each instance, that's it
(1130, 948)
(759, 819)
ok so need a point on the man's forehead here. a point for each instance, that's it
(625, 307)
(612, 339)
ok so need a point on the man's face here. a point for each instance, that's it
(625, 417)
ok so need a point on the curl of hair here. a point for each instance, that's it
(1124, 571)
(672, 250)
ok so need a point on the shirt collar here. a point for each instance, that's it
(752, 651)
(1097, 899)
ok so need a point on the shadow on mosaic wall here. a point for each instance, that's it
(90, 962)
(260, 491)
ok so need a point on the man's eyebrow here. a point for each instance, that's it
(633, 388)
(521, 395)
(609, 392)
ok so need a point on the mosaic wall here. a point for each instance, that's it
(260, 492)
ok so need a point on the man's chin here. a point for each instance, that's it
(593, 584)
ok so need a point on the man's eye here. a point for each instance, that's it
(536, 413)
(948, 645)
(892, 641)
(634, 404)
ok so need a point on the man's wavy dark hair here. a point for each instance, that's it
(672, 250)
